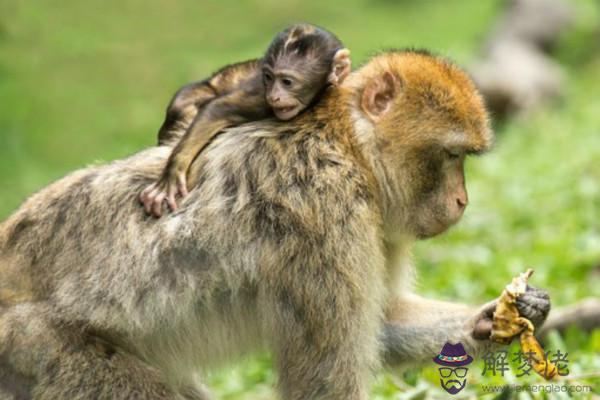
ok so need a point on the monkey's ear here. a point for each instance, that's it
(379, 95)
(340, 67)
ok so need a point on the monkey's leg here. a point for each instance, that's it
(315, 365)
(183, 108)
(329, 358)
(42, 360)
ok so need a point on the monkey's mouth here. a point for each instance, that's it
(285, 113)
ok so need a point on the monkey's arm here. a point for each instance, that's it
(229, 110)
(183, 108)
(417, 328)
(192, 98)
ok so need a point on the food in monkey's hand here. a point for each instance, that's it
(507, 323)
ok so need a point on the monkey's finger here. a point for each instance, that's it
(144, 194)
(182, 185)
(488, 309)
(483, 329)
(157, 204)
(148, 204)
(171, 197)
(534, 305)
(149, 193)
(149, 200)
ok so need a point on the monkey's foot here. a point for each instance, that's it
(163, 190)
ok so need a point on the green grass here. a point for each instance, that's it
(84, 81)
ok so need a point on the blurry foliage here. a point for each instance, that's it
(86, 81)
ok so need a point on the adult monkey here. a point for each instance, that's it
(294, 239)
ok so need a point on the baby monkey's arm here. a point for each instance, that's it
(239, 106)
(183, 108)
(192, 98)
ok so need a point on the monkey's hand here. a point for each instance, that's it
(533, 305)
(171, 184)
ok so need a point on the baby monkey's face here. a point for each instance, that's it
(293, 81)
(291, 90)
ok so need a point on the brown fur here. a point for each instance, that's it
(195, 96)
(294, 239)
(297, 66)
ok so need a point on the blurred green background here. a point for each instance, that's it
(87, 81)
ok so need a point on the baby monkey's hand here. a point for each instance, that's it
(171, 184)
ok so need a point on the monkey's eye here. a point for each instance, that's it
(268, 77)
(287, 82)
(452, 154)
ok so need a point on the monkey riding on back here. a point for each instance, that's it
(296, 241)
(299, 64)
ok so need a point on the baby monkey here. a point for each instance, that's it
(299, 64)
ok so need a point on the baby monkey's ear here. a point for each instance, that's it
(340, 67)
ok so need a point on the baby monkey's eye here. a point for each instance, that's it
(287, 82)
(268, 77)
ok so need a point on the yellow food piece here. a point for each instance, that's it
(507, 324)
(530, 345)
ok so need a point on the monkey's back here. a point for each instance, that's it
(84, 244)
(237, 76)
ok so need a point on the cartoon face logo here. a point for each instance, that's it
(452, 359)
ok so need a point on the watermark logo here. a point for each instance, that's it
(453, 374)
(453, 360)
(497, 363)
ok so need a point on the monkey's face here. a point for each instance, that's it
(298, 64)
(288, 91)
(437, 195)
(281, 96)
(424, 132)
